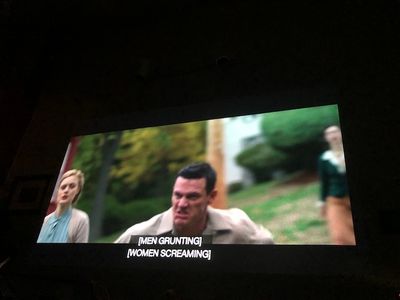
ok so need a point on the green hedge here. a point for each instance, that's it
(262, 160)
(294, 140)
(122, 216)
(289, 129)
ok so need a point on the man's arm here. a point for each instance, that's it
(149, 227)
(251, 232)
(123, 238)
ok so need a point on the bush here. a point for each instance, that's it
(122, 216)
(262, 160)
(287, 130)
(235, 187)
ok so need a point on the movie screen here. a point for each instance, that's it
(280, 179)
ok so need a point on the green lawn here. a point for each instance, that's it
(288, 211)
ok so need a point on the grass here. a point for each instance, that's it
(258, 189)
(288, 211)
(251, 192)
(265, 210)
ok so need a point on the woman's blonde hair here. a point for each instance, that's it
(81, 181)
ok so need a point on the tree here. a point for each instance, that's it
(130, 166)
(108, 152)
(294, 139)
(88, 159)
(149, 157)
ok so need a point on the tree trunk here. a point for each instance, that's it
(108, 152)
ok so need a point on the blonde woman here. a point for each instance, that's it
(67, 224)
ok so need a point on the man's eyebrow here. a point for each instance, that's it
(193, 194)
(190, 194)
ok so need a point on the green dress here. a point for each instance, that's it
(332, 175)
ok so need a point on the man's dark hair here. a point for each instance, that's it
(200, 170)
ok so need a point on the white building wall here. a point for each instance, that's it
(236, 131)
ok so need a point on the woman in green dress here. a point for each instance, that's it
(334, 191)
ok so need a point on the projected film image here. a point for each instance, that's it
(271, 178)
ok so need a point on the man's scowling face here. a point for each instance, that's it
(189, 205)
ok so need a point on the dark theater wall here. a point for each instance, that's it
(72, 65)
